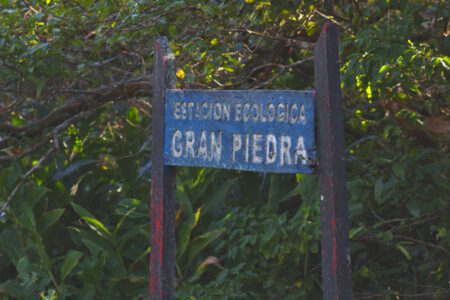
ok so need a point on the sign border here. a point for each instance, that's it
(174, 122)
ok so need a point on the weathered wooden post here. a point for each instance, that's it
(162, 254)
(336, 273)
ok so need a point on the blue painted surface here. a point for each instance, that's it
(263, 130)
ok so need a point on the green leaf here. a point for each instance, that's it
(72, 168)
(295, 191)
(139, 258)
(173, 31)
(40, 248)
(17, 120)
(27, 217)
(388, 236)
(37, 194)
(97, 225)
(383, 69)
(15, 175)
(403, 250)
(70, 262)
(87, 292)
(11, 244)
(40, 86)
(200, 242)
(133, 115)
(96, 243)
(122, 219)
(399, 171)
(12, 288)
(355, 231)
(378, 190)
(184, 234)
(413, 207)
(81, 211)
(184, 200)
(217, 195)
(49, 218)
(22, 265)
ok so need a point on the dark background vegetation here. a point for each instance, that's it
(75, 139)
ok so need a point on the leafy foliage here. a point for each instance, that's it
(75, 112)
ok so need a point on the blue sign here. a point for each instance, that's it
(262, 130)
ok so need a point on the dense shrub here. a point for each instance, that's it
(75, 134)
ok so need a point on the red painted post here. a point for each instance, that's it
(162, 254)
(336, 273)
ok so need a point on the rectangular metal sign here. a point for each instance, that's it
(262, 130)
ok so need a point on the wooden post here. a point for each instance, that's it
(336, 273)
(162, 254)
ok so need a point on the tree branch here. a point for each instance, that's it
(58, 129)
(22, 179)
(254, 70)
(91, 98)
(289, 41)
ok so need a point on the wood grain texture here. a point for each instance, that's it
(162, 254)
(265, 131)
(336, 273)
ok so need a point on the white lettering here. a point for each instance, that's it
(217, 111)
(189, 143)
(285, 145)
(263, 117)
(205, 114)
(300, 151)
(176, 111)
(210, 111)
(292, 114)
(238, 111)
(270, 112)
(246, 147)
(190, 108)
(246, 111)
(216, 146)
(237, 144)
(255, 112)
(226, 111)
(183, 110)
(256, 146)
(177, 148)
(202, 148)
(271, 155)
(198, 114)
(280, 112)
(286, 114)
(302, 116)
